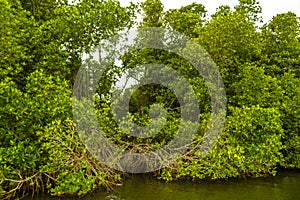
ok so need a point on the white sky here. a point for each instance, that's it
(270, 7)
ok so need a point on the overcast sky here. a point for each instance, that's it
(270, 7)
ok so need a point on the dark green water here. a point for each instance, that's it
(285, 186)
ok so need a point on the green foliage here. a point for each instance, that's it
(251, 8)
(40, 10)
(26, 113)
(41, 43)
(70, 167)
(254, 87)
(261, 132)
(281, 46)
(187, 20)
(152, 13)
(140, 115)
(144, 97)
(231, 40)
(291, 119)
(250, 145)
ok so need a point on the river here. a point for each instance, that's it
(284, 186)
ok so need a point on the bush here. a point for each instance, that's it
(291, 120)
(250, 145)
(41, 149)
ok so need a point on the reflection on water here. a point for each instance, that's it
(285, 186)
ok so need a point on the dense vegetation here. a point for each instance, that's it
(41, 44)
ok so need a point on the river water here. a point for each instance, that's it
(285, 186)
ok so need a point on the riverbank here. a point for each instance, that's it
(284, 186)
